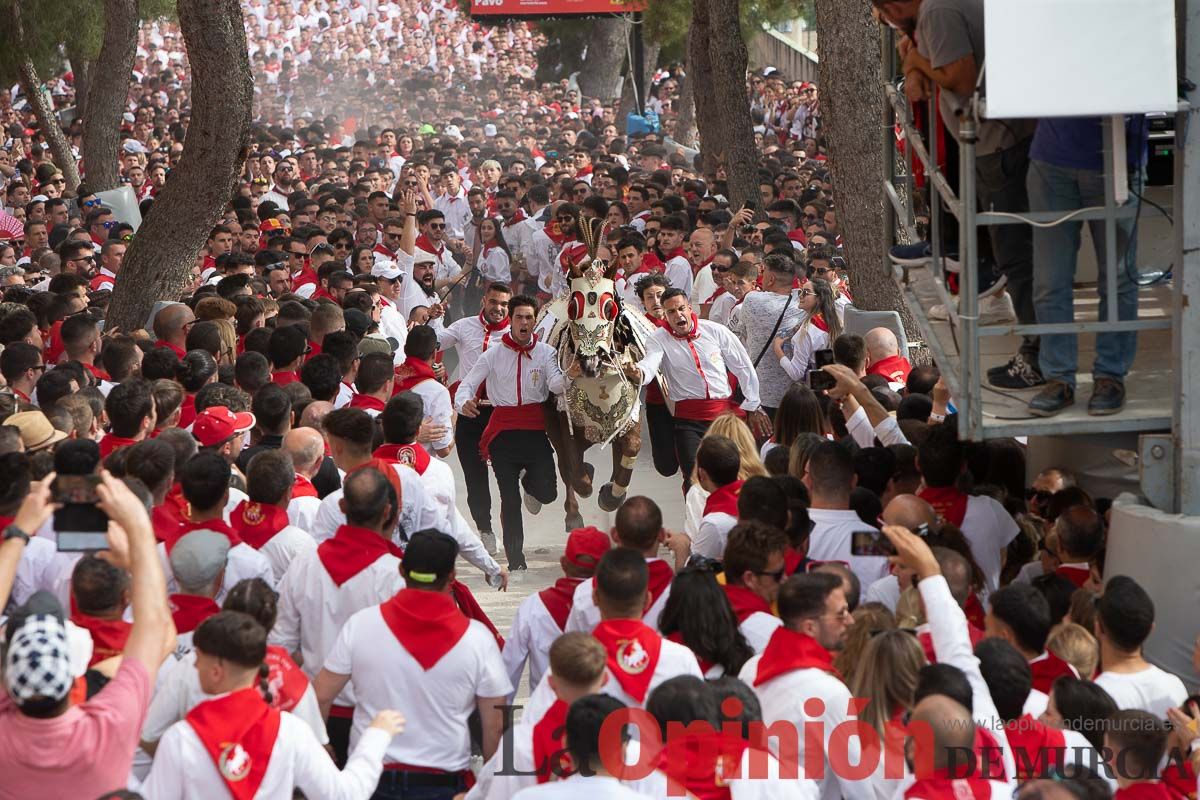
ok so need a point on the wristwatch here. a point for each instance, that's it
(13, 532)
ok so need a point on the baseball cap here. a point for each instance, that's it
(36, 431)
(198, 557)
(377, 344)
(45, 653)
(423, 257)
(386, 268)
(429, 557)
(489, 130)
(357, 322)
(217, 424)
(586, 546)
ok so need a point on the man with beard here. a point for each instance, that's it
(546, 245)
(422, 291)
(433, 242)
(284, 183)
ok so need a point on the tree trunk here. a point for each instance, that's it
(686, 132)
(729, 58)
(108, 93)
(650, 60)
(43, 106)
(81, 68)
(165, 247)
(602, 64)
(706, 111)
(851, 116)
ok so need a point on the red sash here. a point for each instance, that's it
(471, 609)
(550, 757)
(745, 602)
(788, 651)
(654, 395)
(111, 443)
(702, 765)
(303, 487)
(287, 682)
(108, 635)
(661, 575)
(949, 503)
(559, 598)
(1047, 669)
(412, 455)
(894, 368)
(351, 550)
(1076, 575)
(189, 610)
(256, 523)
(940, 786)
(284, 378)
(239, 732)
(427, 624)
(366, 401)
(702, 410)
(633, 649)
(412, 372)
(1035, 740)
(724, 500)
(524, 417)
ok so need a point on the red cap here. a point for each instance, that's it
(586, 546)
(216, 424)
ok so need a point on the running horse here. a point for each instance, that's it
(595, 335)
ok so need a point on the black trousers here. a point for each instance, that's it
(687, 434)
(514, 452)
(662, 439)
(338, 730)
(467, 434)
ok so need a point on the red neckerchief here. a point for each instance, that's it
(974, 610)
(705, 664)
(661, 575)
(239, 732)
(187, 411)
(691, 335)
(411, 372)
(1047, 668)
(650, 263)
(550, 757)
(303, 487)
(941, 786)
(284, 377)
(1039, 741)
(314, 349)
(571, 254)
(633, 649)
(559, 598)
(256, 523)
(98, 373)
(187, 526)
(517, 218)
(489, 328)
(1147, 790)
(412, 455)
(189, 610)
(1180, 775)
(894, 368)
(818, 321)
(793, 561)
(745, 602)
(108, 635)
(351, 550)
(111, 443)
(179, 351)
(788, 651)
(1076, 575)
(724, 500)
(555, 234)
(471, 609)
(701, 765)
(720, 291)
(522, 351)
(305, 275)
(427, 624)
(423, 243)
(697, 267)
(287, 682)
(676, 253)
(949, 503)
(366, 401)
(925, 638)
(583, 172)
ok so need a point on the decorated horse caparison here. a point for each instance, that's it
(595, 335)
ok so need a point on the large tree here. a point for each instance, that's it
(160, 258)
(106, 91)
(728, 60)
(601, 71)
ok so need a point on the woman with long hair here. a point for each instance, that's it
(494, 264)
(802, 447)
(820, 327)
(799, 412)
(731, 427)
(697, 614)
(361, 260)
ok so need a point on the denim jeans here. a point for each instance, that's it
(1053, 188)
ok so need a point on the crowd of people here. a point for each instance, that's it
(232, 541)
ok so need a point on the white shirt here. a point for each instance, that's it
(712, 535)
(757, 781)
(830, 541)
(577, 787)
(541, 260)
(242, 563)
(511, 767)
(989, 529)
(419, 511)
(693, 509)
(533, 631)
(721, 308)
(284, 546)
(758, 629)
(585, 615)
(807, 340)
(456, 210)
(886, 590)
(703, 285)
(393, 323)
(345, 392)
(539, 376)
(471, 338)
(678, 272)
(302, 511)
(183, 769)
(437, 702)
(178, 691)
(717, 349)
(1153, 689)
(436, 399)
(312, 608)
(494, 265)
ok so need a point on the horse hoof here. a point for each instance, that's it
(574, 521)
(607, 500)
(585, 485)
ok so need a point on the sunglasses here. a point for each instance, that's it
(110, 224)
(438, 226)
(1041, 495)
(90, 203)
(778, 575)
(294, 254)
(127, 237)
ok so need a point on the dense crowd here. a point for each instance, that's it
(232, 539)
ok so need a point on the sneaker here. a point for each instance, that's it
(1108, 397)
(1018, 373)
(1056, 397)
(997, 309)
(489, 542)
(941, 313)
(917, 254)
(532, 504)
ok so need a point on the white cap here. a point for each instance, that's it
(133, 146)
(386, 268)
(489, 130)
(453, 132)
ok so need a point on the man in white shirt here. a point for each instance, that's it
(262, 520)
(521, 374)
(417, 651)
(694, 356)
(669, 251)
(416, 375)
(393, 286)
(718, 464)
(830, 478)
(1124, 620)
(754, 571)
(307, 448)
(324, 587)
(452, 202)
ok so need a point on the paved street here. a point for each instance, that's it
(545, 536)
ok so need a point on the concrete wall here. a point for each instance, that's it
(774, 49)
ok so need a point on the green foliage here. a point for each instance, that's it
(667, 21)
